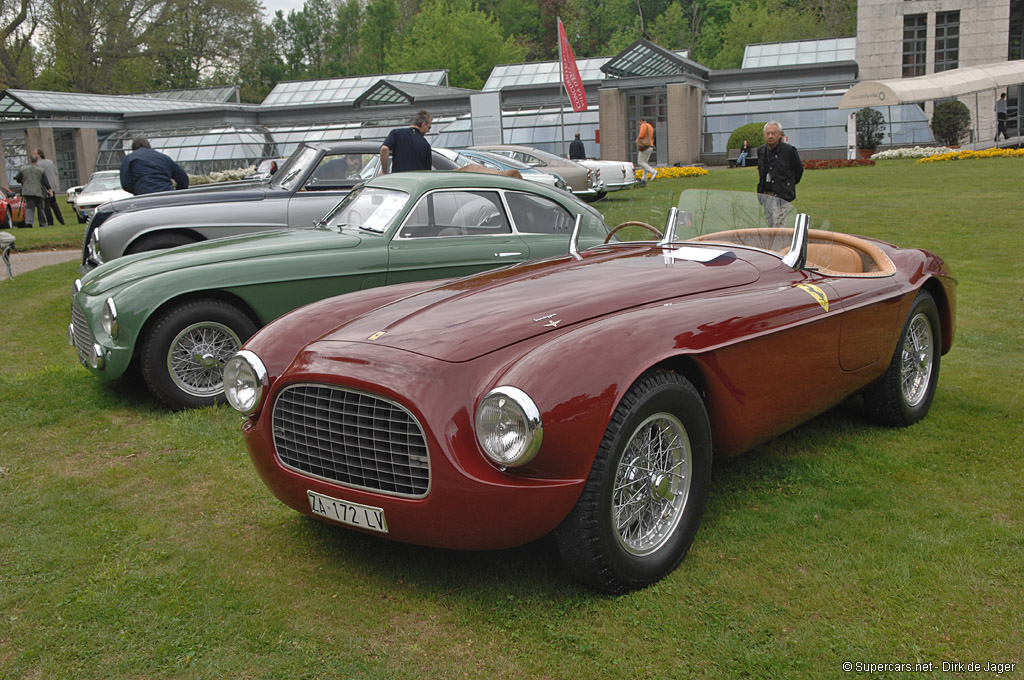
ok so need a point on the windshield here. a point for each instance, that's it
(289, 175)
(102, 184)
(367, 209)
(743, 219)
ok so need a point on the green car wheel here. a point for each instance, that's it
(184, 351)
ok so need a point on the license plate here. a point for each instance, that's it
(347, 512)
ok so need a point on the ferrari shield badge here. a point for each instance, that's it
(817, 293)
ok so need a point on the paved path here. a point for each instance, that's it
(23, 262)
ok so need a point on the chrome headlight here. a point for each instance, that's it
(109, 318)
(560, 181)
(245, 378)
(508, 426)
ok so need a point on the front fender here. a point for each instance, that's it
(210, 220)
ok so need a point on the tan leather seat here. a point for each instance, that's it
(835, 257)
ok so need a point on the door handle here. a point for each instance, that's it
(507, 254)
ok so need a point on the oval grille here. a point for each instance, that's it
(351, 438)
(83, 339)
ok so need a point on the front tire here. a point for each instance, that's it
(643, 500)
(182, 354)
(904, 394)
(8, 219)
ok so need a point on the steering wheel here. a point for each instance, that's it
(646, 226)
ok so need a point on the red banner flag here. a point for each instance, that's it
(570, 73)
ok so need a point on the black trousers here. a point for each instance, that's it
(1002, 128)
(53, 209)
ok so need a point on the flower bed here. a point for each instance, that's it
(994, 152)
(911, 152)
(830, 163)
(669, 173)
(222, 176)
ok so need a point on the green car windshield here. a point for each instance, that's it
(367, 209)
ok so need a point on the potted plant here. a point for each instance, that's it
(951, 122)
(870, 130)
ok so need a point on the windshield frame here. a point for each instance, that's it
(332, 219)
(289, 174)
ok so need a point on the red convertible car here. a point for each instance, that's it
(587, 394)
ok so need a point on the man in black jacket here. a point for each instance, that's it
(577, 151)
(779, 170)
(145, 171)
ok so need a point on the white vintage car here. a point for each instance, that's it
(616, 175)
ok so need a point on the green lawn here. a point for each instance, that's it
(139, 543)
(67, 235)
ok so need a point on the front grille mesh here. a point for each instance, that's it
(351, 438)
(83, 339)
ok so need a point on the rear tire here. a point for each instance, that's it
(904, 394)
(8, 219)
(643, 500)
(158, 242)
(182, 354)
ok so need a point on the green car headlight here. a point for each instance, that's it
(245, 378)
(508, 426)
(109, 318)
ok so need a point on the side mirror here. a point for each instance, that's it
(78, 190)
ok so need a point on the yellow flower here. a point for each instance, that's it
(994, 152)
(669, 173)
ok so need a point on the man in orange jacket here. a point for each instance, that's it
(644, 148)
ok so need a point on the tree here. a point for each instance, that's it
(453, 34)
(203, 38)
(870, 128)
(15, 44)
(259, 66)
(101, 45)
(767, 21)
(380, 25)
(306, 37)
(951, 122)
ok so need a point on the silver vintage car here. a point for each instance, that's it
(304, 189)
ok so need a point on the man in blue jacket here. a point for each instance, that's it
(145, 171)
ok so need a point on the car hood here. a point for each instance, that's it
(207, 193)
(467, 318)
(101, 196)
(272, 244)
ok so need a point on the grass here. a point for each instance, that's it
(57, 236)
(139, 543)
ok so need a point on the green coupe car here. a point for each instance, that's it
(182, 313)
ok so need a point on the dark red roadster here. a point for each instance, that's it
(586, 394)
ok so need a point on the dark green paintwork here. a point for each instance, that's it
(270, 273)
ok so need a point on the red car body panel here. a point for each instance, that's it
(574, 335)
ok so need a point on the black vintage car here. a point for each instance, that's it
(302, 191)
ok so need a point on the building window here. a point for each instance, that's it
(1016, 30)
(947, 40)
(915, 44)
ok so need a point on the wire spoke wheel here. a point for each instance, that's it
(197, 356)
(652, 483)
(917, 360)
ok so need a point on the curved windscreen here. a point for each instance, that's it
(370, 209)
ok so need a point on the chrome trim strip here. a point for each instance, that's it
(574, 240)
(670, 227)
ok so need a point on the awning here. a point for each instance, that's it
(944, 85)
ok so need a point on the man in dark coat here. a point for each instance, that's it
(408, 147)
(145, 171)
(577, 151)
(779, 168)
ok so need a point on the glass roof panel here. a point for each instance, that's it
(822, 51)
(344, 90)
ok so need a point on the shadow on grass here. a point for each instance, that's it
(534, 572)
